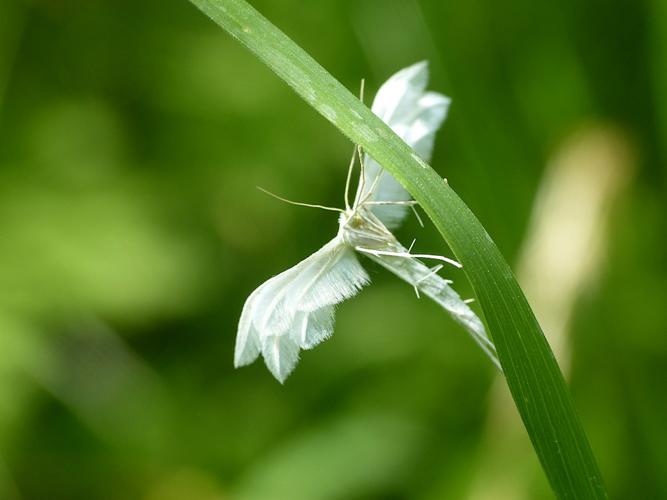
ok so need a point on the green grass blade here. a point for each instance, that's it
(532, 373)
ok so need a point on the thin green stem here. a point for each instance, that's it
(531, 371)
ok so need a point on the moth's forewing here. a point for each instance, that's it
(294, 310)
(415, 116)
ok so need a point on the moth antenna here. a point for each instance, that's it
(362, 176)
(310, 205)
(349, 178)
(362, 85)
(468, 301)
(416, 290)
(414, 240)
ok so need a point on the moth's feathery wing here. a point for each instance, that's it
(295, 309)
(415, 116)
(314, 327)
(247, 346)
(435, 287)
(248, 338)
(281, 352)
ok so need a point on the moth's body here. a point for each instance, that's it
(295, 309)
(359, 227)
(362, 230)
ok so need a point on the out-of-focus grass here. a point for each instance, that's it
(128, 205)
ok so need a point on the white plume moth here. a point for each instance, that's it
(295, 309)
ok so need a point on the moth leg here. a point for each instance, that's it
(419, 219)
(434, 270)
(362, 176)
(372, 189)
(408, 255)
(410, 203)
(349, 179)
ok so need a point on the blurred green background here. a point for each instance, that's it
(132, 136)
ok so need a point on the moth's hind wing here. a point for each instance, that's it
(314, 327)
(281, 352)
(415, 116)
(417, 274)
(295, 310)
(248, 339)
(247, 346)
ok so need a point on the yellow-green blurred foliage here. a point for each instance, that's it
(132, 136)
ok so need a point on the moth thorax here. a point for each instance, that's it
(360, 228)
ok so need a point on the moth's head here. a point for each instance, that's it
(352, 218)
